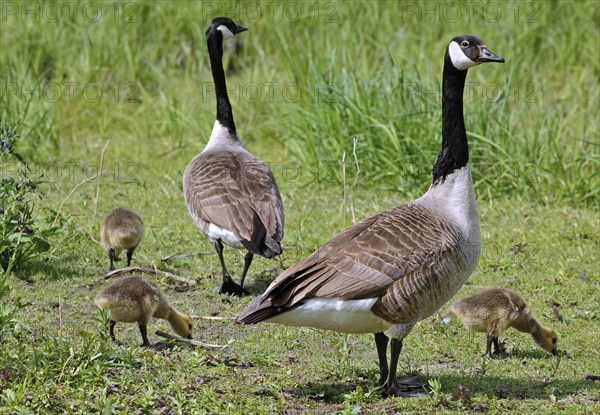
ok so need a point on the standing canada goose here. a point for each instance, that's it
(231, 194)
(134, 299)
(493, 310)
(121, 230)
(398, 267)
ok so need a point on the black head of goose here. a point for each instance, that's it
(231, 194)
(398, 267)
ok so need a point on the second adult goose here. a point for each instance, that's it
(231, 194)
(398, 267)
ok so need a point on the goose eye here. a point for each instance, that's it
(553, 341)
(464, 44)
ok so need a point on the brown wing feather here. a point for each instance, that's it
(367, 259)
(232, 189)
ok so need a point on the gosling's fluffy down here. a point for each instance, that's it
(493, 310)
(121, 230)
(134, 299)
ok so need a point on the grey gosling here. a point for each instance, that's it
(392, 270)
(121, 230)
(494, 310)
(134, 299)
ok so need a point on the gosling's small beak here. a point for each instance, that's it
(189, 336)
(554, 352)
(240, 29)
(486, 55)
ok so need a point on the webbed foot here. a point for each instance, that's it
(409, 386)
(231, 287)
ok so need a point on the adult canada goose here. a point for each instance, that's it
(231, 194)
(398, 267)
(122, 229)
(134, 299)
(493, 310)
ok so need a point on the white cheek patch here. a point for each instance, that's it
(226, 32)
(458, 58)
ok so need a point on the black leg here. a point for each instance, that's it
(228, 286)
(219, 249)
(144, 336)
(247, 261)
(390, 386)
(111, 330)
(488, 346)
(381, 341)
(395, 350)
(408, 386)
(496, 345)
(129, 255)
(111, 257)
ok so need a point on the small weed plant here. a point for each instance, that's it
(21, 238)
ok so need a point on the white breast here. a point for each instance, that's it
(454, 199)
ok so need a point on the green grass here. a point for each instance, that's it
(372, 73)
(62, 360)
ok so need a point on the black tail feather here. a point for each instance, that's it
(260, 243)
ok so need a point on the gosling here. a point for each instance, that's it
(493, 310)
(134, 299)
(121, 230)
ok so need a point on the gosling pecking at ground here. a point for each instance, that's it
(134, 299)
(493, 310)
(121, 230)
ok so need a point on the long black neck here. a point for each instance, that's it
(214, 42)
(455, 149)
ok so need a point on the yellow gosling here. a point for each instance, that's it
(121, 230)
(493, 310)
(134, 299)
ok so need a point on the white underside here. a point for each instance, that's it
(224, 235)
(349, 316)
